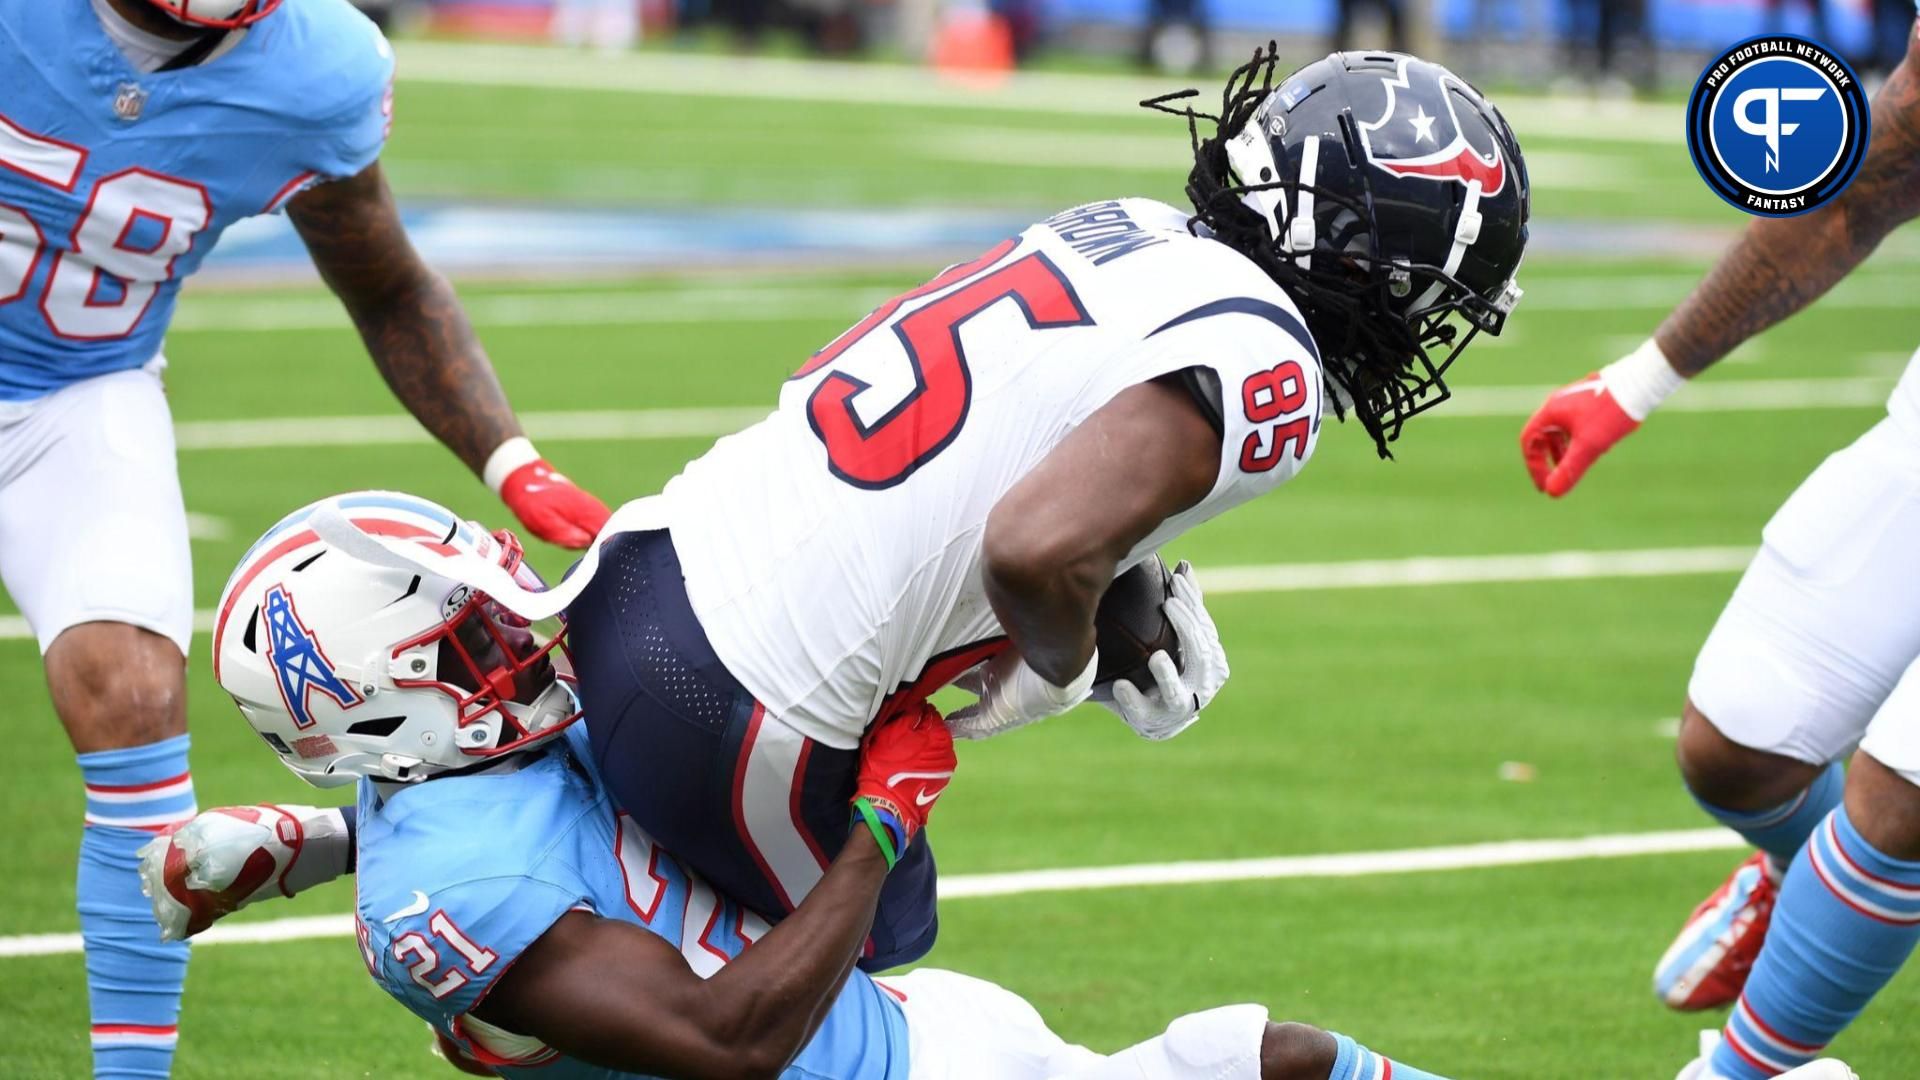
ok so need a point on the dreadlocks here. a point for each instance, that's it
(1344, 286)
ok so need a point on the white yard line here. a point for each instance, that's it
(396, 429)
(1143, 875)
(212, 313)
(1473, 570)
(1378, 573)
(1719, 395)
(553, 308)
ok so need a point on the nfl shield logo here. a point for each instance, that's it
(128, 101)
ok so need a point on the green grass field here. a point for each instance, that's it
(1357, 720)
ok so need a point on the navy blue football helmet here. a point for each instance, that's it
(1387, 196)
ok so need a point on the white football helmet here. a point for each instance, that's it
(348, 668)
(218, 14)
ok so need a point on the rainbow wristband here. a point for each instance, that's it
(888, 831)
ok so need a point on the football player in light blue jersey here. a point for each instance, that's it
(503, 899)
(131, 133)
(1800, 729)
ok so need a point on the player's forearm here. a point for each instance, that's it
(1780, 266)
(407, 314)
(424, 347)
(1054, 540)
(1047, 605)
(774, 996)
(1774, 270)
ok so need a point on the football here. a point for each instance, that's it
(1130, 626)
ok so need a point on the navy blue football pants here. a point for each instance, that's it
(753, 806)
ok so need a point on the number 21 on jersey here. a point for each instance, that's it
(884, 451)
(136, 223)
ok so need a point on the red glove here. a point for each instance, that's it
(1578, 423)
(906, 761)
(551, 506)
(1582, 420)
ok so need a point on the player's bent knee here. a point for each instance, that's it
(1884, 805)
(116, 685)
(1726, 774)
(1291, 1051)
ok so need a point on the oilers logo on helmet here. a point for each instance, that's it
(1454, 157)
(298, 662)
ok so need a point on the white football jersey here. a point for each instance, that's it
(832, 551)
(1904, 404)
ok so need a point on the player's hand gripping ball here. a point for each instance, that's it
(216, 864)
(1131, 625)
(1179, 681)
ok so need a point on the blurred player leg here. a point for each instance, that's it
(93, 548)
(1849, 913)
(1849, 910)
(1815, 636)
(751, 804)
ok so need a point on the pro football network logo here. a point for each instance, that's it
(1777, 125)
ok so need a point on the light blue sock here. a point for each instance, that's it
(133, 979)
(1846, 919)
(1780, 830)
(1355, 1062)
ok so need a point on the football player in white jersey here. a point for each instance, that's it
(1818, 651)
(132, 132)
(950, 485)
(571, 944)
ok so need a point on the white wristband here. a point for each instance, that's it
(1076, 691)
(325, 851)
(1641, 380)
(506, 457)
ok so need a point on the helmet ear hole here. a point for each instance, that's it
(378, 728)
(253, 625)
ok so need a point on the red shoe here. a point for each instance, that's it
(1707, 965)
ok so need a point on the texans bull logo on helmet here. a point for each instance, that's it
(1405, 126)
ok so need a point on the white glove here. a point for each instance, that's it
(1014, 695)
(1180, 692)
(231, 856)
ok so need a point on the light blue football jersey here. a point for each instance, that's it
(459, 874)
(115, 184)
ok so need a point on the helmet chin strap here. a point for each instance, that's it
(1466, 233)
(1251, 156)
(552, 705)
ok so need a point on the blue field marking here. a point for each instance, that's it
(479, 238)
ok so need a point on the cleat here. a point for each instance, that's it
(1701, 1067)
(1707, 965)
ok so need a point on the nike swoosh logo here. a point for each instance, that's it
(418, 907)
(925, 799)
